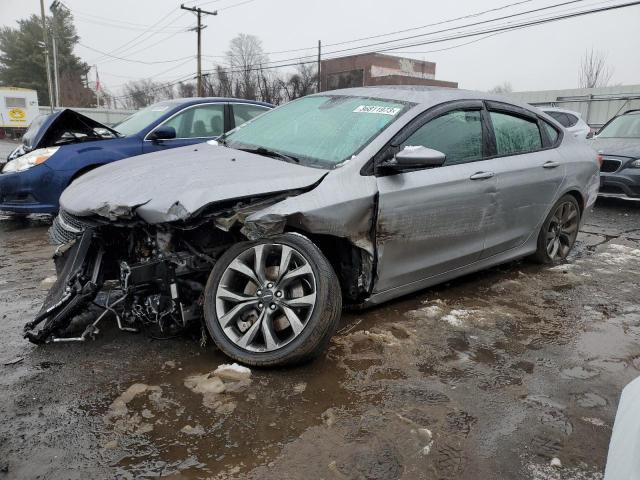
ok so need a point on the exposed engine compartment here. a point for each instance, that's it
(147, 276)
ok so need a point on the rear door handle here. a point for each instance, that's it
(482, 175)
(551, 165)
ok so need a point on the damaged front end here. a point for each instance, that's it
(148, 277)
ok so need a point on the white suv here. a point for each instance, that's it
(570, 120)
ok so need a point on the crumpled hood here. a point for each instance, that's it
(621, 147)
(50, 130)
(173, 184)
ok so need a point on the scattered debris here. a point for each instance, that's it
(13, 361)
(555, 462)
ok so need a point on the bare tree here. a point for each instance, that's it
(166, 92)
(140, 93)
(303, 82)
(269, 86)
(504, 87)
(594, 71)
(186, 89)
(244, 56)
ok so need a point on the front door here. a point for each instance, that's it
(433, 221)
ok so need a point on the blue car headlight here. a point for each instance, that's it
(31, 159)
(635, 164)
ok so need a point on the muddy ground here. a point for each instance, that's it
(490, 376)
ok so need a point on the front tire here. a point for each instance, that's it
(272, 302)
(559, 231)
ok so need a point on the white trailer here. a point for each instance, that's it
(18, 108)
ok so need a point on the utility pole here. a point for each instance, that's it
(319, 64)
(56, 80)
(55, 5)
(98, 87)
(46, 54)
(199, 29)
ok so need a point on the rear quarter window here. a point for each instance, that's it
(571, 119)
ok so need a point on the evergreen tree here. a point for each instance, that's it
(22, 60)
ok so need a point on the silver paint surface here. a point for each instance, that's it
(419, 228)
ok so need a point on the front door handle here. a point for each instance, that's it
(482, 175)
(551, 165)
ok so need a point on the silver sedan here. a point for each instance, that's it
(350, 197)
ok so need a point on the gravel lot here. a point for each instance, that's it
(490, 376)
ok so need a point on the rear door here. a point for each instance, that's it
(433, 221)
(193, 124)
(529, 170)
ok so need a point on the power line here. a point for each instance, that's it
(497, 29)
(112, 22)
(302, 59)
(128, 45)
(486, 32)
(442, 22)
(144, 62)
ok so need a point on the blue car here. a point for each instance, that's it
(60, 147)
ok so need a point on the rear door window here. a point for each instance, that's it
(457, 134)
(515, 134)
(551, 132)
(199, 122)
(243, 112)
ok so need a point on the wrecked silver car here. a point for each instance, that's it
(351, 197)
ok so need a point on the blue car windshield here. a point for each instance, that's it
(320, 131)
(143, 118)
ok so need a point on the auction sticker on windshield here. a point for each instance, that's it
(377, 109)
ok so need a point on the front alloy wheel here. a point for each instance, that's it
(272, 302)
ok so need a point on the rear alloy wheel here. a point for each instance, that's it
(559, 231)
(272, 302)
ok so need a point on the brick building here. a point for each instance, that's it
(378, 69)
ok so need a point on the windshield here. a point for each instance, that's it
(141, 119)
(319, 130)
(625, 126)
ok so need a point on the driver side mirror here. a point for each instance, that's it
(414, 158)
(164, 132)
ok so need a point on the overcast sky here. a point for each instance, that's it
(538, 58)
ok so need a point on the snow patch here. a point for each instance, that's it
(456, 318)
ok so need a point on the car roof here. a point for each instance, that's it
(562, 110)
(197, 100)
(425, 96)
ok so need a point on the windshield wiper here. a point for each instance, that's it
(271, 153)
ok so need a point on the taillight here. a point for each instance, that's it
(600, 160)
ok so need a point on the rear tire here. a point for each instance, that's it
(272, 302)
(559, 231)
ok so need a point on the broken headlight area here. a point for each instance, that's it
(147, 277)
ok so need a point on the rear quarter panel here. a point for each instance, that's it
(582, 170)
